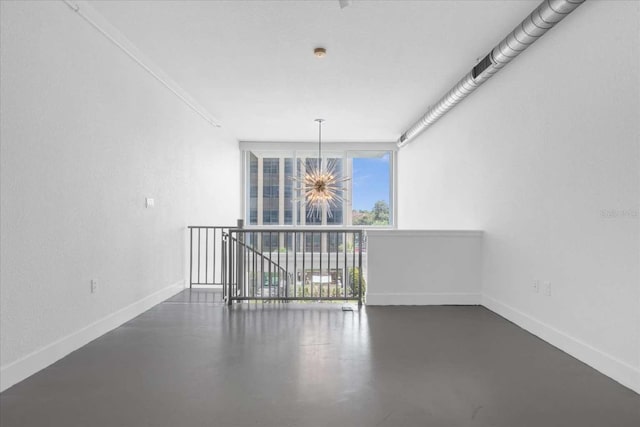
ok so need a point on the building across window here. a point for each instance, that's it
(272, 196)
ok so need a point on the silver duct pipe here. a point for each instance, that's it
(541, 20)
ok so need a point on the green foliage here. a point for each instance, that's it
(381, 212)
(362, 218)
(354, 282)
(379, 215)
(323, 291)
(332, 290)
(349, 247)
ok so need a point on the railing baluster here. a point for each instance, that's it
(206, 255)
(223, 268)
(223, 260)
(295, 264)
(213, 279)
(344, 271)
(313, 246)
(360, 242)
(230, 267)
(199, 256)
(190, 258)
(320, 267)
(286, 262)
(353, 264)
(270, 272)
(337, 245)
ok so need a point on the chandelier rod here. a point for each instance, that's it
(319, 142)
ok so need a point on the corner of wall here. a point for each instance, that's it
(623, 373)
(35, 361)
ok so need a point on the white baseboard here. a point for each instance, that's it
(625, 374)
(422, 298)
(614, 368)
(16, 371)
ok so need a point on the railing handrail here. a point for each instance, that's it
(212, 226)
(261, 254)
(301, 229)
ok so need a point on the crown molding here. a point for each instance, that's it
(84, 10)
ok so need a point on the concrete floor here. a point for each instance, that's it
(192, 361)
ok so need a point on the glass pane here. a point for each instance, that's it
(308, 215)
(288, 191)
(334, 214)
(371, 188)
(270, 190)
(334, 163)
(252, 206)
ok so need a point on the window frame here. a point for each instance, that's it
(295, 150)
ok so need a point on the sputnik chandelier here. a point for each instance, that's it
(322, 184)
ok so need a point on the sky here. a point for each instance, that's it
(370, 182)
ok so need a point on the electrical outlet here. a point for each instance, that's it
(94, 286)
(536, 286)
(149, 202)
(547, 288)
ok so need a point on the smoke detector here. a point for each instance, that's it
(320, 52)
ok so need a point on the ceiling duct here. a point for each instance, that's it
(541, 20)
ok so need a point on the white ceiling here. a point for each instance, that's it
(251, 63)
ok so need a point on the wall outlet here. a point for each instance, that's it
(149, 202)
(547, 288)
(536, 286)
(94, 286)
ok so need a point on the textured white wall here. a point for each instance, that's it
(86, 136)
(535, 158)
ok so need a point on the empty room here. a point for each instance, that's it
(315, 213)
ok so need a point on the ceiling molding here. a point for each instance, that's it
(84, 10)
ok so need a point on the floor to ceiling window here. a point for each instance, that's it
(272, 195)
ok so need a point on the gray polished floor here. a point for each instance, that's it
(191, 361)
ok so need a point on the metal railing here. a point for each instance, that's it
(295, 264)
(207, 255)
(276, 273)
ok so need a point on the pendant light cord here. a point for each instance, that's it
(319, 143)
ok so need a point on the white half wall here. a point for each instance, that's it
(423, 267)
(545, 158)
(86, 136)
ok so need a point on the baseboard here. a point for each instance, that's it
(28, 365)
(422, 298)
(625, 374)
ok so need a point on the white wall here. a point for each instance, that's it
(86, 135)
(545, 159)
(424, 267)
